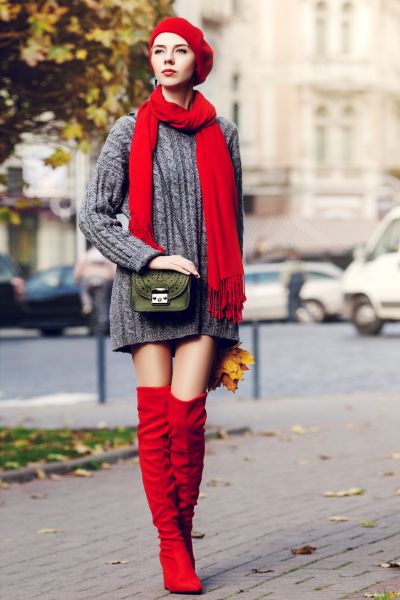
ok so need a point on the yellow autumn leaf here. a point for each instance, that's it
(72, 131)
(81, 54)
(81, 448)
(40, 474)
(82, 473)
(49, 530)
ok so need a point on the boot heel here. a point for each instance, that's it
(179, 575)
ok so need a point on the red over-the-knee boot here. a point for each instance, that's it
(187, 420)
(160, 488)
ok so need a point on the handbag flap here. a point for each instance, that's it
(173, 280)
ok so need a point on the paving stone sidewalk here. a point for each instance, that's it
(274, 502)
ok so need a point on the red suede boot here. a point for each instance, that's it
(187, 420)
(160, 489)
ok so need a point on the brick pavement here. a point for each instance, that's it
(274, 502)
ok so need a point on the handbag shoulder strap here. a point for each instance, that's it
(168, 195)
(171, 204)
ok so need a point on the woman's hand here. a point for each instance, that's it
(175, 262)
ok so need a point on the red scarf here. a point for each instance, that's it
(218, 185)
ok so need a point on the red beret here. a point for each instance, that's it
(194, 37)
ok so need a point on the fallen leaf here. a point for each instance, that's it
(49, 530)
(55, 476)
(58, 457)
(324, 456)
(396, 455)
(202, 495)
(247, 457)
(390, 473)
(105, 465)
(298, 429)
(397, 492)
(222, 433)
(39, 496)
(303, 461)
(350, 492)
(262, 570)
(268, 433)
(197, 534)
(82, 473)
(367, 523)
(391, 565)
(4, 485)
(303, 550)
(40, 474)
(217, 481)
(339, 518)
(116, 562)
(81, 448)
(12, 464)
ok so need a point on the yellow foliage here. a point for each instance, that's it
(228, 367)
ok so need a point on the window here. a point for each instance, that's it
(262, 278)
(321, 135)
(347, 135)
(389, 241)
(320, 28)
(320, 275)
(235, 112)
(68, 277)
(49, 280)
(346, 28)
(14, 181)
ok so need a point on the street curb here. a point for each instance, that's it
(112, 456)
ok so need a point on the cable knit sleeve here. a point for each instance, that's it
(234, 150)
(105, 193)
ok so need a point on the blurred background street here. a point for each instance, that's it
(295, 360)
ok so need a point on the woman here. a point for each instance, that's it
(184, 202)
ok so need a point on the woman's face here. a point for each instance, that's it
(171, 51)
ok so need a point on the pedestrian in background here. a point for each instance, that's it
(174, 168)
(293, 279)
(95, 271)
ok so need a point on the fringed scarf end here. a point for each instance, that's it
(228, 300)
(145, 234)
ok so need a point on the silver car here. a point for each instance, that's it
(267, 296)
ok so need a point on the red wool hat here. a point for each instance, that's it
(194, 37)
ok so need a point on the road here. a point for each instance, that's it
(295, 359)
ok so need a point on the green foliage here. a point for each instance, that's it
(21, 447)
(71, 67)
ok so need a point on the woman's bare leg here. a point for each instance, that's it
(194, 356)
(152, 362)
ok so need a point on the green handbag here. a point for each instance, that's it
(160, 290)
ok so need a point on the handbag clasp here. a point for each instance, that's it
(159, 296)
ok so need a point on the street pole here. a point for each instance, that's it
(256, 353)
(100, 325)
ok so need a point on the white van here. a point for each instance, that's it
(371, 283)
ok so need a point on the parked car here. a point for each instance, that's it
(12, 288)
(371, 283)
(267, 296)
(53, 301)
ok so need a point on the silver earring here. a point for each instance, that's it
(155, 82)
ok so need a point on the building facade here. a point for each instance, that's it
(314, 87)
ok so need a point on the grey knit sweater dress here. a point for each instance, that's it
(107, 195)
